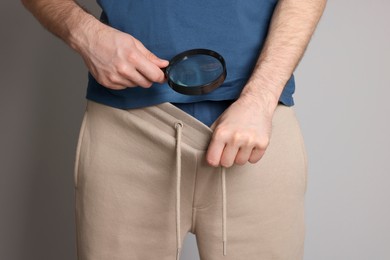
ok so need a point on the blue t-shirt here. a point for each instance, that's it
(235, 29)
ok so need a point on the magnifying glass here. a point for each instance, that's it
(196, 71)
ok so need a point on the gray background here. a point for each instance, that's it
(341, 101)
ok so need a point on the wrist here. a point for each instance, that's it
(266, 98)
(79, 32)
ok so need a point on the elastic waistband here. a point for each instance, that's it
(195, 133)
(164, 116)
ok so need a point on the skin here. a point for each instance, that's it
(117, 61)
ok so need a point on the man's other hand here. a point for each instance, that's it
(241, 134)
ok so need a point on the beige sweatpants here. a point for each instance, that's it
(142, 183)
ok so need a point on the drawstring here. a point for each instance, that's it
(179, 127)
(223, 183)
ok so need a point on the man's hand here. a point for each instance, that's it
(117, 60)
(241, 133)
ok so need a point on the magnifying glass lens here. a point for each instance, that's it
(195, 70)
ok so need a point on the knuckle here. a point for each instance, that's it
(243, 139)
(122, 69)
(154, 76)
(221, 133)
(149, 55)
(112, 82)
(132, 56)
(237, 138)
(250, 141)
(261, 144)
(111, 78)
(105, 82)
(158, 77)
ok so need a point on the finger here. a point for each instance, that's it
(125, 83)
(120, 80)
(151, 56)
(256, 155)
(214, 152)
(129, 83)
(229, 154)
(132, 77)
(149, 70)
(111, 83)
(243, 155)
(114, 86)
(140, 80)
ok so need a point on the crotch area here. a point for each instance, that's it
(179, 126)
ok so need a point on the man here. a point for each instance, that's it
(239, 184)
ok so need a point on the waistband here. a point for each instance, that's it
(195, 133)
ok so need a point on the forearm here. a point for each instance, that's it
(291, 28)
(64, 18)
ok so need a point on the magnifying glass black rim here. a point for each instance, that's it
(201, 89)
